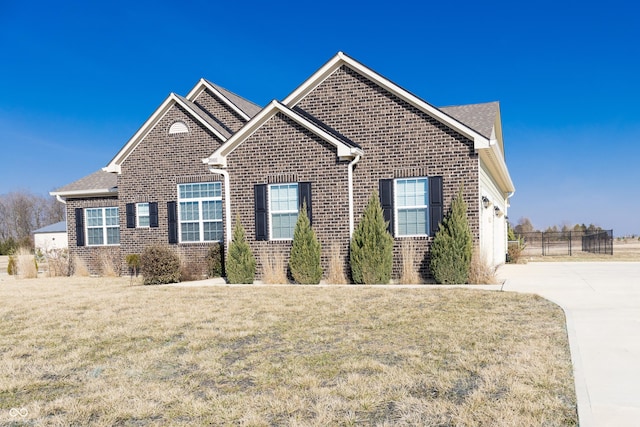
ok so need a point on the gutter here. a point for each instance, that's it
(350, 179)
(227, 201)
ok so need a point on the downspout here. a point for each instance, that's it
(350, 179)
(227, 201)
(60, 199)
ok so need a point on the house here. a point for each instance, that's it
(202, 162)
(51, 237)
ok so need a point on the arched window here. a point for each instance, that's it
(178, 127)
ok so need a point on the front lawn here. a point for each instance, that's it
(86, 351)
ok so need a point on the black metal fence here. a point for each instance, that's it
(567, 242)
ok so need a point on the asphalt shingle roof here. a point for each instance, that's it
(99, 180)
(249, 108)
(479, 117)
(206, 117)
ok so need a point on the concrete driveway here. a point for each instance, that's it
(602, 304)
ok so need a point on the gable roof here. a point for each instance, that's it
(340, 59)
(480, 117)
(58, 227)
(192, 109)
(99, 183)
(474, 122)
(245, 108)
(345, 148)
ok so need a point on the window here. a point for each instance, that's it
(283, 210)
(103, 226)
(142, 214)
(200, 212)
(411, 207)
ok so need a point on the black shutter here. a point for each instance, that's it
(260, 199)
(131, 215)
(436, 206)
(304, 193)
(386, 201)
(153, 214)
(172, 219)
(79, 227)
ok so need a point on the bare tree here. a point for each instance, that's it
(22, 212)
(524, 226)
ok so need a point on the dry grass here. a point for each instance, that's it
(410, 274)
(80, 268)
(273, 268)
(480, 272)
(109, 263)
(58, 262)
(26, 263)
(336, 266)
(95, 351)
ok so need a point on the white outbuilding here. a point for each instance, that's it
(51, 237)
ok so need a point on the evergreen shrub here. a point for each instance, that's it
(452, 246)
(215, 260)
(371, 250)
(304, 262)
(240, 263)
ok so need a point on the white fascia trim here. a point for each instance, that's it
(97, 192)
(204, 84)
(172, 99)
(219, 157)
(497, 167)
(479, 141)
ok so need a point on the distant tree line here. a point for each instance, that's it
(23, 212)
(525, 226)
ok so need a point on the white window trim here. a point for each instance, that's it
(201, 220)
(138, 215)
(104, 226)
(396, 207)
(271, 212)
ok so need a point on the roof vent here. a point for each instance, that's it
(178, 127)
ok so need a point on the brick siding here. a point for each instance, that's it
(283, 151)
(398, 141)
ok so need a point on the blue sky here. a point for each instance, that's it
(77, 79)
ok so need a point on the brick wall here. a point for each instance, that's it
(398, 141)
(283, 151)
(152, 173)
(91, 256)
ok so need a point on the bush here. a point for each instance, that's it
(215, 260)
(159, 265)
(133, 262)
(452, 246)
(12, 267)
(59, 262)
(241, 264)
(304, 262)
(514, 252)
(371, 251)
